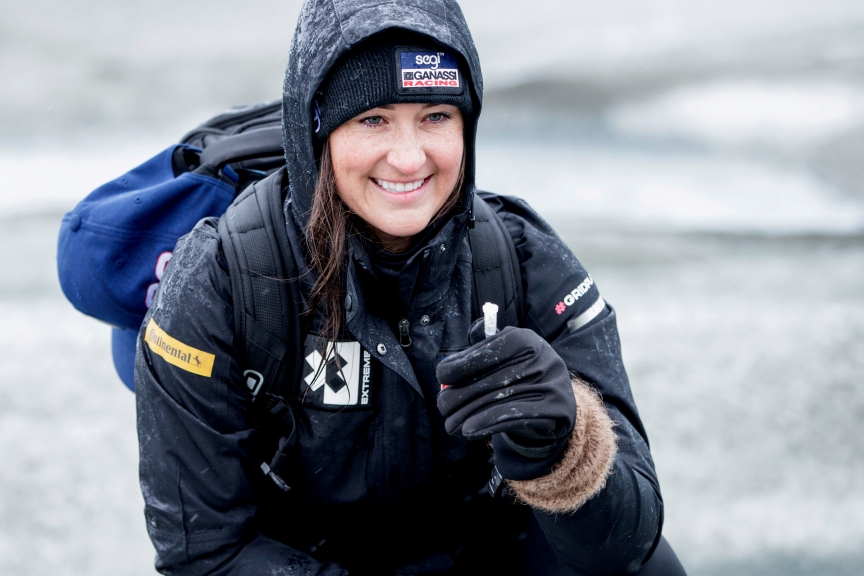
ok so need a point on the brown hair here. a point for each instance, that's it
(330, 225)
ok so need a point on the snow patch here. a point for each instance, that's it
(730, 112)
(592, 187)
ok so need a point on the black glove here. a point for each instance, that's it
(514, 386)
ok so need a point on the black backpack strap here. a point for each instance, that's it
(267, 302)
(263, 142)
(497, 277)
(248, 138)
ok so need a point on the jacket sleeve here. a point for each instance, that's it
(194, 427)
(616, 529)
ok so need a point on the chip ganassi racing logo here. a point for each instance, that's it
(574, 295)
(428, 69)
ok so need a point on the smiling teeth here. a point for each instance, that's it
(398, 186)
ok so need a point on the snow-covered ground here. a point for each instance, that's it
(69, 499)
(746, 356)
(592, 186)
(705, 160)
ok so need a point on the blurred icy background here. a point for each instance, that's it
(704, 159)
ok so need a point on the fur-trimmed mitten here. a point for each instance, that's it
(551, 436)
(586, 463)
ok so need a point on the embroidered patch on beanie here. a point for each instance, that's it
(426, 72)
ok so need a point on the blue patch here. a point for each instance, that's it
(426, 72)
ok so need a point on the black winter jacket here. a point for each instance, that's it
(378, 486)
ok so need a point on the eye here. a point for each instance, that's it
(372, 120)
(438, 117)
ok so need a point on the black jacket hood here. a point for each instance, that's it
(326, 29)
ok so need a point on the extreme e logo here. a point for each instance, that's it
(337, 373)
(427, 70)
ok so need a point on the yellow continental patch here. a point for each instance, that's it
(177, 353)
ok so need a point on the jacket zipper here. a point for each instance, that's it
(404, 333)
(404, 324)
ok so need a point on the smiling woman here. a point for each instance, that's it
(396, 166)
(434, 452)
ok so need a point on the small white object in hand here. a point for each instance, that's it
(490, 318)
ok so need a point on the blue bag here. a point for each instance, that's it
(115, 245)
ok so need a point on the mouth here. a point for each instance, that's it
(400, 187)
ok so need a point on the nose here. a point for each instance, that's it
(407, 154)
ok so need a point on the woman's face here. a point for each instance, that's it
(395, 166)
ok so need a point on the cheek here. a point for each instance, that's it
(448, 157)
(348, 161)
(351, 168)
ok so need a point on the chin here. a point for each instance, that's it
(405, 229)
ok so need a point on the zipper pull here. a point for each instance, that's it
(404, 334)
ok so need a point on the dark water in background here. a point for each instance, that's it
(702, 159)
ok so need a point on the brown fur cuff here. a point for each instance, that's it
(587, 461)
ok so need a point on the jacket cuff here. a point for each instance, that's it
(586, 463)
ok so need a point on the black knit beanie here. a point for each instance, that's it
(393, 67)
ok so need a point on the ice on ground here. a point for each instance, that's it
(745, 356)
(70, 499)
(728, 112)
(55, 180)
(519, 41)
(596, 187)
